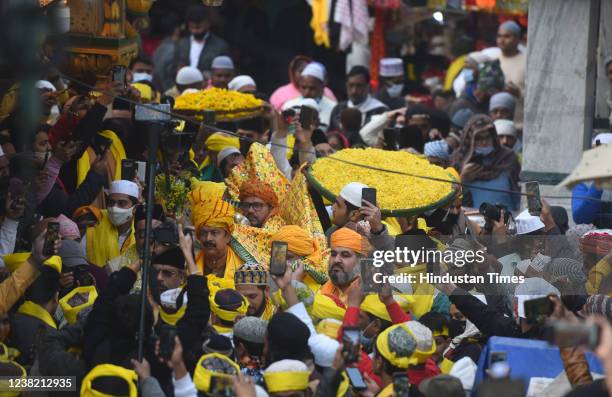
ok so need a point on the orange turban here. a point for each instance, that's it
(259, 189)
(348, 238)
(88, 209)
(210, 211)
(299, 242)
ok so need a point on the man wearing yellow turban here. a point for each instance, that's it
(393, 353)
(348, 247)
(213, 219)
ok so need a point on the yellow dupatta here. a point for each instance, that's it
(32, 309)
(87, 159)
(103, 242)
(232, 263)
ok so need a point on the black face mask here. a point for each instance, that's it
(200, 36)
(456, 327)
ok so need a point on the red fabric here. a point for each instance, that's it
(417, 375)
(377, 45)
(62, 130)
(397, 314)
(149, 45)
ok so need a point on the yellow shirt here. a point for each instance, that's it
(596, 274)
(232, 263)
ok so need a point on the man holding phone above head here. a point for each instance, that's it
(350, 206)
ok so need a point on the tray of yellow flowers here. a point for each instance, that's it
(227, 105)
(397, 194)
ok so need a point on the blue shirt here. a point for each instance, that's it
(510, 200)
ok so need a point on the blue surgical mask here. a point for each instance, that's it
(484, 151)
(395, 90)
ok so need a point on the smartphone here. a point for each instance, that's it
(565, 334)
(534, 205)
(356, 379)
(368, 270)
(167, 333)
(390, 139)
(220, 385)
(101, 145)
(307, 116)
(45, 161)
(411, 136)
(369, 194)
(166, 234)
(118, 73)
(51, 237)
(288, 115)
(496, 357)
(536, 310)
(141, 170)
(401, 384)
(128, 169)
(350, 344)
(278, 258)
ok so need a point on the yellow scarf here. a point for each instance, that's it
(32, 309)
(387, 391)
(268, 310)
(87, 159)
(172, 318)
(103, 242)
(318, 23)
(232, 263)
(202, 164)
(109, 370)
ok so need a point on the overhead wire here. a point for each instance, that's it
(373, 168)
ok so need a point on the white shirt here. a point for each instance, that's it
(195, 49)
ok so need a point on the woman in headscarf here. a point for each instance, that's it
(290, 91)
(484, 164)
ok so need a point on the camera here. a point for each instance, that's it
(493, 213)
(166, 234)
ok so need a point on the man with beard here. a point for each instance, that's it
(348, 247)
(258, 202)
(251, 281)
(200, 47)
(213, 219)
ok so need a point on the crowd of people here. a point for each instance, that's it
(217, 320)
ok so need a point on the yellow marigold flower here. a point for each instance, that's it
(222, 101)
(394, 191)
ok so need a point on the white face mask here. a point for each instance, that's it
(142, 77)
(395, 90)
(119, 216)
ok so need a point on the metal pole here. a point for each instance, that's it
(153, 130)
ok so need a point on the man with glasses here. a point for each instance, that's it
(258, 202)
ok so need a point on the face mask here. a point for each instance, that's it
(119, 216)
(395, 90)
(142, 77)
(456, 328)
(484, 151)
(199, 36)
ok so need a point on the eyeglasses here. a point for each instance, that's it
(256, 206)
